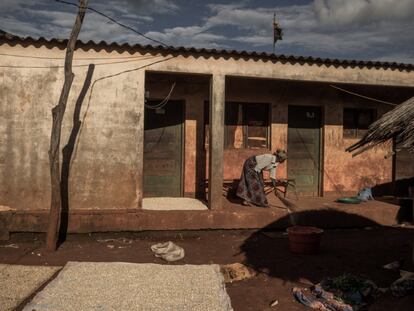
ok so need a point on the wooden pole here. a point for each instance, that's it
(57, 114)
(363, 149)
(394, 167)
(274, 22)
(411, 196)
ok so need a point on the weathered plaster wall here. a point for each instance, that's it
(342, 172)
(194, 95)
(24, 172)
(104, 165)
(339, 171)
(106, 162)
(258, 68)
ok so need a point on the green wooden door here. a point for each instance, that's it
(163, 144)
(304, 148)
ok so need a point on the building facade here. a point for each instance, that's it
(146, 121)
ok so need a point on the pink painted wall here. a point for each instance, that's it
(341, 172)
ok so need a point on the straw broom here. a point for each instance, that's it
(290, 206)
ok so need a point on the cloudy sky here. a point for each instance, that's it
(347, 29)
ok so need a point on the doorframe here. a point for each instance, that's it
(182, 175)
(321, 169)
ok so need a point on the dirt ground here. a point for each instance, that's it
(360, 252)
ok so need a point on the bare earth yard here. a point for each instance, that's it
(360, 252)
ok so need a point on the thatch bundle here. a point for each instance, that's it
(397, 123)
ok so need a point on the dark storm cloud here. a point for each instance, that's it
(353, 29)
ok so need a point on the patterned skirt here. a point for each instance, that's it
(251, 187)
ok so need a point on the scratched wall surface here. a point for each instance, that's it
(103, 170)
(342, 172)
(26, 99)
(104, 165)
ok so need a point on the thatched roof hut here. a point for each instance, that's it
(397, 123)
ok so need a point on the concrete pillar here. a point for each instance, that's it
(279, 132)
(140, 106)
(216, 144)
(194, 144)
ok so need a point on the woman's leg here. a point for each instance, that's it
(251, 187)
(261, 193)
(243, 190)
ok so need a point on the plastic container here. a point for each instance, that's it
(351, 200)
(304, 240)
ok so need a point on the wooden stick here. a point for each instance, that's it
(57, 113)
(363, 149)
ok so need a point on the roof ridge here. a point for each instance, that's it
(8, 37)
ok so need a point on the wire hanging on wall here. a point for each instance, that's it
(163, 102)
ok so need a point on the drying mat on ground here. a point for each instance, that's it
(19, 282)
(90, 286)
(169, 204)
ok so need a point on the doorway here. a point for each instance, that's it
(304, 148)
(163, 149)
(403, 172)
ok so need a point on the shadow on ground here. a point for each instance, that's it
(358, 251)
(337, 255)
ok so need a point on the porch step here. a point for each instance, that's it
(318, 212)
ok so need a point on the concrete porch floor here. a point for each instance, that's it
(323, 212)
(173, 204)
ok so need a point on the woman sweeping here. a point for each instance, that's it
(251, 186)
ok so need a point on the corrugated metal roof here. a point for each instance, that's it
(7, 38)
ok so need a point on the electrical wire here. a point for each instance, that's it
(84, 65)
(75, 59)
(104, 78)
(163, 102)
(81, 65)
(116, 22)
(363, 96)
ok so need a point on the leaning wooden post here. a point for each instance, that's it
(57, 113)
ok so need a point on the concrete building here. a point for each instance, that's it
(223, 106)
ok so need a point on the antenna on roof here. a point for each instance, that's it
(277, 32)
